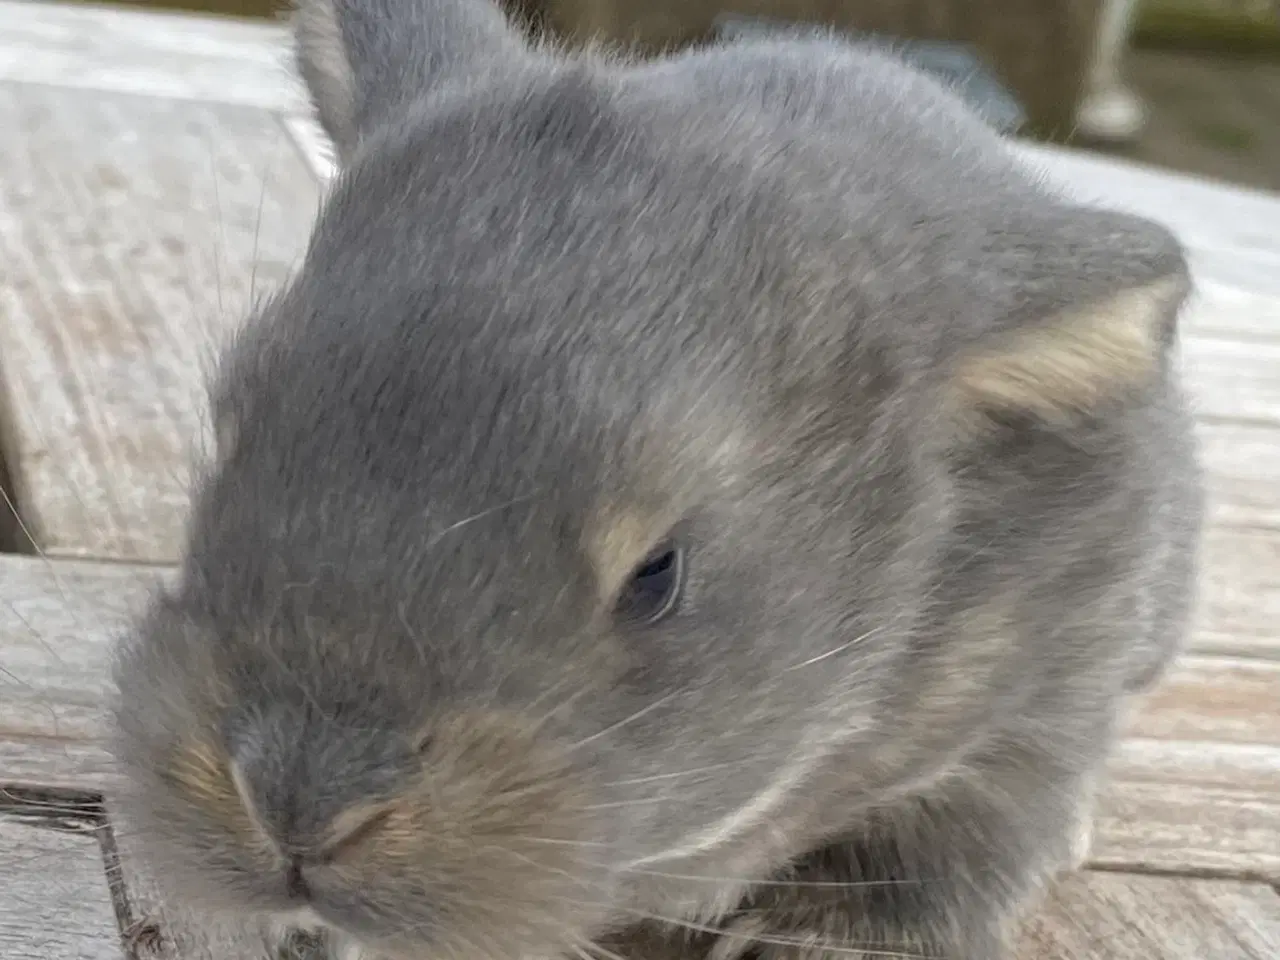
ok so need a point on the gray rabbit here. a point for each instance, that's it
(717, 505)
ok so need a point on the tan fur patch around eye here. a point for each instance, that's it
(1076, 362)
(617, 543)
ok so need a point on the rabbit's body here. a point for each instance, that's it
(785, 315)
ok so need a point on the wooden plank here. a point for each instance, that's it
(1218, 308)
(57, 622)
(1191, 807)
(1092, 916)
(1233, 378)
(135, 232)
(1207, 214)
(115, 49)
(1195, 784)
(56, 904)
(1239, 594)
(1214, 699)
(174, 931)
(1257, 271)
(1242, 473)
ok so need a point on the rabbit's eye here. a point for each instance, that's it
(653, 592)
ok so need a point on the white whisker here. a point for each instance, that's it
(477, 516)
(612, 728)
(835, 651)
(805, 944)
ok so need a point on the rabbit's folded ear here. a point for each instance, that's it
(1091, 318)
(364, 61)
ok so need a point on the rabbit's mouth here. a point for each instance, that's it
(490, 845)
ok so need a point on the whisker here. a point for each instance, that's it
(657, 777)
(766, 882)
(556, 842)
(53, 570)
(622, 804)
(775, 882)
(613, 728)
(477, 516)
(836, 651)
(595, 951)
(257, 227)
(549, 693)
(221, 244)
(809, 945)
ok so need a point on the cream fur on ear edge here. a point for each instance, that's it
(322, 61)
(1076, 361)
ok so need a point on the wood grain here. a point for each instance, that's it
(118, 50)
(1244, 268)
(173, 931)
(1206, 214)
(55, 904)
(1195, 784)
(1103, 916)
(1219, 308)
(134, 232)
(1242, 473)
(1208, 699)
(1191, 807)
(1239, 593)
(57, 621)
(1233, 379)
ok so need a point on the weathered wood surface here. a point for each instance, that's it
(1202, 809)
(55, 903)
(163, 166)
(211, 59)
(1105, 916)
(1206, 214)
(171, 930)
(136, 232)
(56, 625)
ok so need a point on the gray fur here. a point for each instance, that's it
(555, 311)
(365, 61)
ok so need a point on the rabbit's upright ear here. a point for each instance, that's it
(1091, 305)
(364, 61)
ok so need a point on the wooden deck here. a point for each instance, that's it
(156, 171)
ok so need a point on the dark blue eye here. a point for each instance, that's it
(653, 592)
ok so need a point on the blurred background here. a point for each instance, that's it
(1193, 85)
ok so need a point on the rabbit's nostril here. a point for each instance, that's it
(295, 883)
